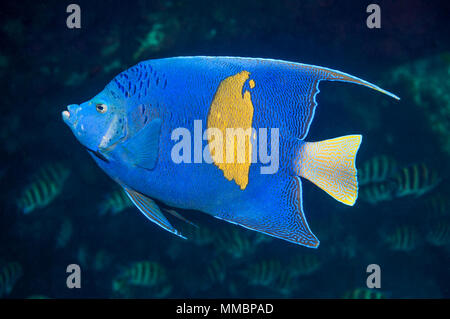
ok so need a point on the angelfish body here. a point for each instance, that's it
(130, 129)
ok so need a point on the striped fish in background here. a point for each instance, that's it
(44, 187)
(216, 271)
(416, 180)
(150, 275)
(438, 205)
(262, 273)
(377, 169)
(10, 273)
(364, 293)
(439, 234)
(305, 264)
(115, 202)
(144, 273)
(403, 238)
(374, 193)
(237, 243)
(383, 180)
(286, 283)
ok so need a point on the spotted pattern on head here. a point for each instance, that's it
(133, 87)
(139, 80)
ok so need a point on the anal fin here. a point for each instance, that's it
(280, 216)
(151, 210)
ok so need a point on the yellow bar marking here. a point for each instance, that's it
(232, 110)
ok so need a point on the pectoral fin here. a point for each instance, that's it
(151, 210)
(142, 149)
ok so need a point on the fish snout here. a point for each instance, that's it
(70, 114)
(65, 115)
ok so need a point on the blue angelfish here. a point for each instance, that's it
(139, 129)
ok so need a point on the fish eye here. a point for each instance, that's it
(101, 108)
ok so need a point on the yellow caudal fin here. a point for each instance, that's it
(330, 164)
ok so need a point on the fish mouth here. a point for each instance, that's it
(65, 114)
(69, 116)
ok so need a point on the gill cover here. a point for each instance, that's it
(114, 132)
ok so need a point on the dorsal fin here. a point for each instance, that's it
(289, 86)
(303, 81)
